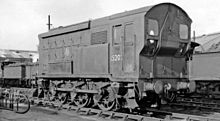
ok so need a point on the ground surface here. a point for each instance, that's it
(48, 114)
(43, 114)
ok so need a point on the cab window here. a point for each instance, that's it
(183, 31)
(153, 29)
(150, 47)
(117, 31)
(182, 50)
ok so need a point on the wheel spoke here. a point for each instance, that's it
(105, 101)
(82, 100)
(62, 97)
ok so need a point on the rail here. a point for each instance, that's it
(120, 116)
(13, 101)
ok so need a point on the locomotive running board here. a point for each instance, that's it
(14, 102)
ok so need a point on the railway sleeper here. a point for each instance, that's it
(136, 117)
(203, 104)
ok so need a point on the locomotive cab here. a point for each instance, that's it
(168, 33)
(163, 63)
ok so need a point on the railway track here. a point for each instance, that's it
(136, 115)
(199, 104)
(183, 109)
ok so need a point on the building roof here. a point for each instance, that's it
(208, 42)
(18, 54)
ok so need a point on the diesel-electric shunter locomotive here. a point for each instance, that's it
(137, 58)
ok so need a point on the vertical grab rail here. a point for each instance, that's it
(19, 103)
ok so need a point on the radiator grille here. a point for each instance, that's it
(99, 37)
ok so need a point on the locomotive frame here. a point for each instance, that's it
(132, 59)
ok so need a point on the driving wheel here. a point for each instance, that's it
(106, 99)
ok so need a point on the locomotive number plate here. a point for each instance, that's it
(116, 58)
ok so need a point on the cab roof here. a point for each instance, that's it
(86, 25)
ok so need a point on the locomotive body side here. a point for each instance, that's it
(19, 74)
(106, 48)
(14, 71)
(204, 71)
(31, 73)
(13, 74)
(205, 66)
(137, 55)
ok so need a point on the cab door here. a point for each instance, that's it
(123, 50)
(129, 49)
(117, 50)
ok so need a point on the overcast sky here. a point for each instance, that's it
(22, 20)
